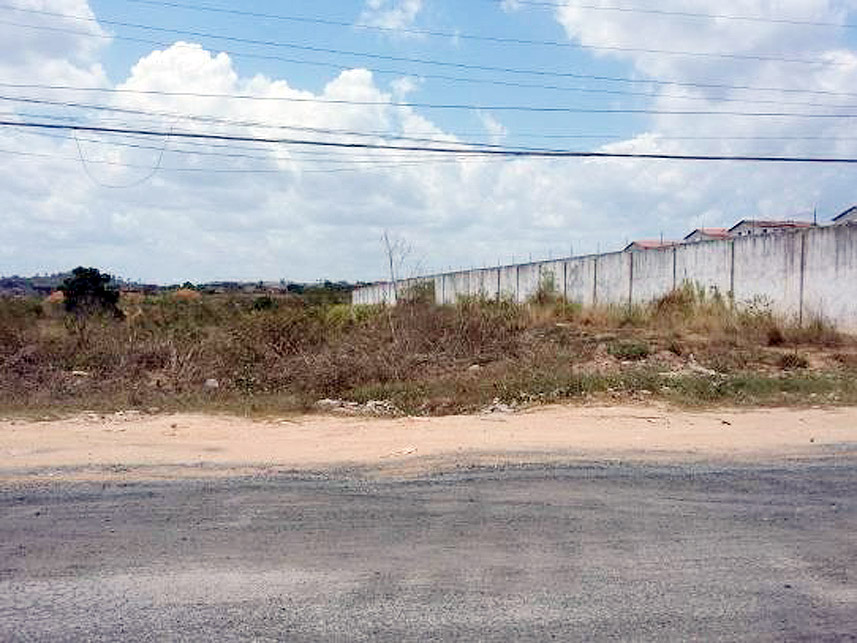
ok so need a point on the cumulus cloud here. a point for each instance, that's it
(242, 212)
(60, 54)
(496, 131)
(609, 25)
(510, 5)
(724, 192)
(391, 14)
(253, 211)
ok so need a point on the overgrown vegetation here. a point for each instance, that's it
(89, 292)
(279, 353)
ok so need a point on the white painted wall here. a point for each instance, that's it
(768, 268)
(802, 274)
(653, 274)
(830, 276)
(509, 282)
(706, 264)
(580, 280)
(613, 278)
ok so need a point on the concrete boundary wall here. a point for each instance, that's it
(804, 274)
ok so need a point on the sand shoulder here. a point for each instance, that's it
(131, 445)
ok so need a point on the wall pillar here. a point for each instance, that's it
(595, 282)
(732, 272)
(802, 276)
(675, 268)
(630, 279)
(565, 281)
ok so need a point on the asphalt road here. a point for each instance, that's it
(572, 553)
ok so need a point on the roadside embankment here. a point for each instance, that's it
(138, 446)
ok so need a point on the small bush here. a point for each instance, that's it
(629, 350)
(817, 330)
(680, 302)
(775, 336)
(419, 293)
(264, 302)
(793, 361)
(568, 310)
(675, 347)
(547, 290)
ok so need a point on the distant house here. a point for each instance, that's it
(749, 227)
(708, 234)
(844, 218)
(646, 244)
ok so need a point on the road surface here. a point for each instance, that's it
(587, 551)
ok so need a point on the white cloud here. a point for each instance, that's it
(404, 86)
(307, 212)
(60, 54)
(391, 14)
(495, 129)
(607, 27)
(722, 193)
(510, 5)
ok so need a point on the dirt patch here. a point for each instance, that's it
(122, 445)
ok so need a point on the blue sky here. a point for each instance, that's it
(167, 210)
(476, 17)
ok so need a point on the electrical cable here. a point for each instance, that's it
(583, 90)
(424, 61)
(477, 151)
(671, 13)
(302, 155)
(571, 75)
(135, 183)
(424, 136)
(488, 108)
(478, 37)
(390, 166)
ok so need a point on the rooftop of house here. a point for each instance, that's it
(771, 223)
(650, 244)
(719, 233)
(850, 211)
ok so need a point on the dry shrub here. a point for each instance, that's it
(186, 294)
(848, 360)
(296, 353)
(817, 330)
(680, 303)
(792, 361)
(629, 350)
(693, 309)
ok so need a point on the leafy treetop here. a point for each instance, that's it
(90, 291)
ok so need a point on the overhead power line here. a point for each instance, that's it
(671, 13)
(250, 97)
(425, 61)
(218, 170)
(316, 157)
(457, 35)
(483, 81)
(473, 150)
(425, 136)
(461, 106)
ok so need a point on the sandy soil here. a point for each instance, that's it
(130, 444)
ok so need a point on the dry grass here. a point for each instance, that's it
(284, 354)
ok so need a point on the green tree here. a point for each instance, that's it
(90, 291)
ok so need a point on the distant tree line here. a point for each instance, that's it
(90, 284)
